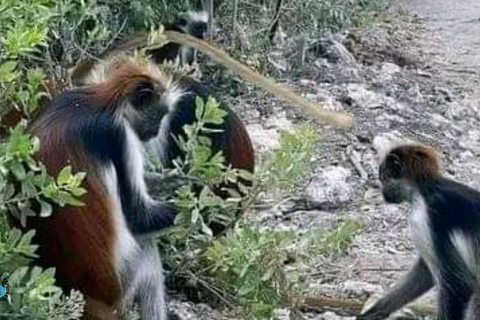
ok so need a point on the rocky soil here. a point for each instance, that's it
(412, 77)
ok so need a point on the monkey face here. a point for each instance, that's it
(194, 23)
(395, 188)
(146, 111)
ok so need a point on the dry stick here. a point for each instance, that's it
(234, 22)
(221, 57)
(353, 306)
(210, 8)
(276, 20)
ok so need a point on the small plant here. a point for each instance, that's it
(292, 159)
(33, 295)
(199, 207)
(336, 241)
(248, 263)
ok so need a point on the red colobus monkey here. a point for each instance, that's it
(445, 222)
(103, 248)
(230, 137)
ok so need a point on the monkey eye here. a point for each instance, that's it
(142, 94)
(394, 166)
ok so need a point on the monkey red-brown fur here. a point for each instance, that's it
(421, 161)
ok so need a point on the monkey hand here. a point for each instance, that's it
(373, 310)
(165, 213)
(372, 314)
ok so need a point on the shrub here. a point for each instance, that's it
(25, 185)
(243, 267)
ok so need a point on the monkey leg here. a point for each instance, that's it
(417, 281)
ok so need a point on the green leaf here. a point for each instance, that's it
(18, 170)
(195, 215)
(64, 176)
(7, 71)
(46, 209)
(199, 108)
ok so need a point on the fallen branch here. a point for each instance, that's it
(351, 307)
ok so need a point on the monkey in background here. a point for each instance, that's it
(193, 23)
(445, 225)
(104, 249)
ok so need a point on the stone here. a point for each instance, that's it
(331, 186)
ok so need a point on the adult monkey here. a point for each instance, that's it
(103, 248)
(445, 222)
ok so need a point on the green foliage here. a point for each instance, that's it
(24, 182)
(249, 264)
(199, 207)
(292, 159)
(23, 26)
(33, 295)
(27, 190)
(244, 266)
(336, 241)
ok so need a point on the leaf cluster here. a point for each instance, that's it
(27, 190)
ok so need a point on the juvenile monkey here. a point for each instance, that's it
(445, 224)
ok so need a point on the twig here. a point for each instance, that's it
(383, 269)
(355, 160)
(234, 22)
(210, 18)
(276, 19)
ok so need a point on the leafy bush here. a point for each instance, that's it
(292, 159)
(24, 26)
(244, 267)
(25, 186)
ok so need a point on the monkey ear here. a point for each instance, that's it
(142, 94)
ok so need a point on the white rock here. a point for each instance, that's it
(263, 139)
(331, 186)
(364, 98)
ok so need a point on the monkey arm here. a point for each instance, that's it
(155, 217)
(142, 214)
(415, 283)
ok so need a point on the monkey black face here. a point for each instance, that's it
(194, 23)
(148, 110)
(395, 188)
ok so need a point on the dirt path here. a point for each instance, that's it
(451, 37)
